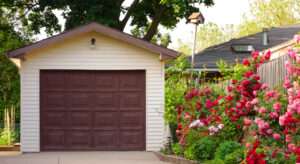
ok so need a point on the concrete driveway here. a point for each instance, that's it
(80, 158)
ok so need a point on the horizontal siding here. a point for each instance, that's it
(76, 54)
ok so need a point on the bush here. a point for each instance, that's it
(202, 149)
(4, 137)
(227, 148)
(235, 157)
(177, 149)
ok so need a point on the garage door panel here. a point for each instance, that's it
(80, 100)
(54, 120)
(54, 81)
(131, 99)
(92, 110)
(131, 119)
(106, 81)
(106, 120)
(131, 81)
(79, 80)
(53, 100)
(106, 139)
(131, 139)
(80, 139)
(54, 139)
(80, 120)
(106, 100)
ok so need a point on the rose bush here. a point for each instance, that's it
(264, 120)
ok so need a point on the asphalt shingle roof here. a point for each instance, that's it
(211, 55)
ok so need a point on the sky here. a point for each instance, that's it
(223, 12)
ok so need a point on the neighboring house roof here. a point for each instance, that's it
(94, 26)
(211, 55)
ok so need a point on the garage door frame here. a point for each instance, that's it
(94, 149)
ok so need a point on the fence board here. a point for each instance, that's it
(273, 72)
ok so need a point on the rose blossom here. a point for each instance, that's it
(262, 110)
(220, 126)
(265, 86)
(254, 101)
(247, 121)
(248, 145)
(288, 137)
(291, 146)
(276, 106)
(297, 39)
(276, 136)
(269, 131)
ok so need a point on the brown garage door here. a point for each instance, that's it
(92, 110)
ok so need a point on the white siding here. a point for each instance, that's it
(76, 54)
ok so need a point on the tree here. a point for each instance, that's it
(208, 35)
(9, 76)
(148, 14)
(269, 13)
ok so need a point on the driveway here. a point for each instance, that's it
(80, 158)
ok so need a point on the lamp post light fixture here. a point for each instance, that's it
(196, 18)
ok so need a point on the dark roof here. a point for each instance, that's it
(94, 26)
(211, 55)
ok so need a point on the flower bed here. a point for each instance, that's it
(245, 123)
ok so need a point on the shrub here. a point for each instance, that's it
(177, 149)
(227, 148)
(235, 157)
(202, 149)
(4, 137)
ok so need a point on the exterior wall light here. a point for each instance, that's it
(93, 40)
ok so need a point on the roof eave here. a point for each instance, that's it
(165, 52)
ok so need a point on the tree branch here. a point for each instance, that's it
(154, 25)
(128, 14)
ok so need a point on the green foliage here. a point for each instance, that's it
(175, 86)
(9, 76)
(201, 149)
(4, 137)
(267, 14)
(226, 148)
(177, 149)
(159, 38)
(235, 157)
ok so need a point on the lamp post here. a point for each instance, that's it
(196, 18)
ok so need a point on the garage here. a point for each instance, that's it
(92, 110)
(92, 88)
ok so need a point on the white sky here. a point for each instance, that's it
(223, 12)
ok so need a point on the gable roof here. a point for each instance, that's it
(209, 56)
(94, 26)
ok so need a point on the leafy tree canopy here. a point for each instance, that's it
(147, 14)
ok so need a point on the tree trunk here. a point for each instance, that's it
(154, 25)
(128, 14)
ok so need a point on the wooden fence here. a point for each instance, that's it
(273, 72)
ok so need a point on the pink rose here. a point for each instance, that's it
(276, 106)
(248, 145)
(247, 121)
(269, 131)
(220, 126)
(265, 86)
(291, 146)
(297, 39)
(254, 101)
(276, 136)
(262, 110)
